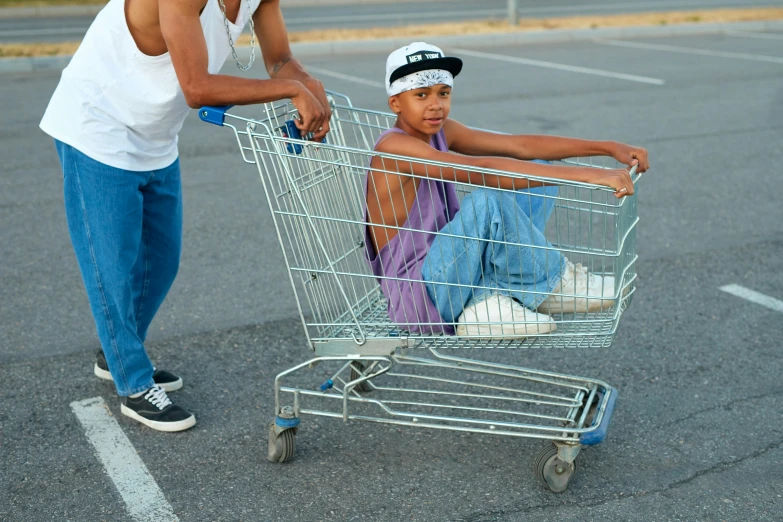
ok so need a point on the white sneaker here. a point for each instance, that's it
(504, 317)
(589, 292)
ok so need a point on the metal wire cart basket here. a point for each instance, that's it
(408, 374)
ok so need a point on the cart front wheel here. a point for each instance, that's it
(552, 472)
(281, 445)
(362, 386)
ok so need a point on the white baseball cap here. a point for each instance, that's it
(415, 58)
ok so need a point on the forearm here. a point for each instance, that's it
(466, 174)
(221, 89)
(288, 68)
(529, 147)
(526, 168)
(463, 168)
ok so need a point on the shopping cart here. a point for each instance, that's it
(405, 375)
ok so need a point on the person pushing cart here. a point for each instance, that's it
(115, 118)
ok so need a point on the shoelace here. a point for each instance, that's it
(157, 396)
(570, 276)
(589, 276)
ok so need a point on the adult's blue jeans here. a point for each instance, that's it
(494, 245)
(126, 231)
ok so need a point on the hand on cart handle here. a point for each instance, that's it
(630, 155)
(314, 110)
(618, 179)
(315, 86)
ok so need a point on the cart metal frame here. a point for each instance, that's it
(379, 372)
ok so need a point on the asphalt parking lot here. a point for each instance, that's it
(697, 434)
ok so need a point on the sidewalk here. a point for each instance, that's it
(53, 11)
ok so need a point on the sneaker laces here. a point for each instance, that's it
(568, 278)
(590, 278)
(571, 277)
(157, 396)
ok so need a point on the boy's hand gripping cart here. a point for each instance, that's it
(376, 371)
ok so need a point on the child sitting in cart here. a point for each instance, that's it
(419, 238)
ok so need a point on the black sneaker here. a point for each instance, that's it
(166, 380)
(153, 408)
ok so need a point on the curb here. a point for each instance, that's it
(384, 45)
(34, 64)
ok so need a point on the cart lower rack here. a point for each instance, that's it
(376, 370)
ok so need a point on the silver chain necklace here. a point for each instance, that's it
(231, 40)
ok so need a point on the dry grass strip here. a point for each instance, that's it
(475, 27)
(22, 50)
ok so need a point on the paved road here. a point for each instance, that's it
(697, 434)
(58, 29)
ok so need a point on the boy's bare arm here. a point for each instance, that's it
(184, 37)
(402, 145)
(466, 140)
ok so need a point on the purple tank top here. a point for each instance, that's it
(435, 204)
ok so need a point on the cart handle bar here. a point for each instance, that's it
(217, 116)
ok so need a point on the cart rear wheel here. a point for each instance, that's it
(552, 472)
(362, 386)
(281, 445)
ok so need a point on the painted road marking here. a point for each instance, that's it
(561, 67)
(346, 77)
(691, 50)
(143, 498)
(754, 297)
(762, 36)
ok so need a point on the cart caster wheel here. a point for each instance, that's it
(281, 445)
(362, 386)
(553, 472)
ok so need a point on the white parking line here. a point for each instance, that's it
(143, 499)
(754, 297)
(561, 67)
(761, 36)
(346, 77)
(690, 50)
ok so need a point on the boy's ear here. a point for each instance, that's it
(394, 104)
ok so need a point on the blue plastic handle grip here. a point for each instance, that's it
(214, 115)
(289, 130)
(591, 438)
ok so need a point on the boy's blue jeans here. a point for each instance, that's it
(510, 254)
(126, 230)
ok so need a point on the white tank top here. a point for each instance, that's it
(122, 107)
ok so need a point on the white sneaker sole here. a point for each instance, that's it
(167, 387)
(567, 306)
(157, 425)
(518, 332)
